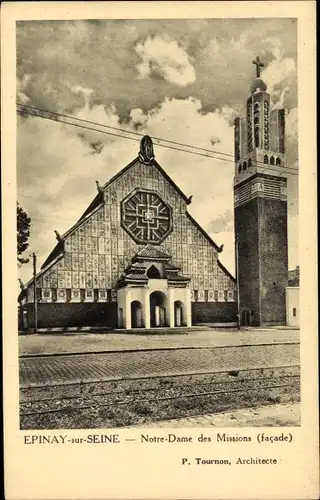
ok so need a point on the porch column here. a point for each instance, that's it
(146, 308)
(170, 303)
(178, 315)
(157, 315)
(127, 310)
(188, 307)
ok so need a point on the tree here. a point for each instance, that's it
(23, 233)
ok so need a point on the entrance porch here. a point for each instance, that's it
(154, 305)
(152, 293)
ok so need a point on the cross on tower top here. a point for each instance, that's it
(258, 64)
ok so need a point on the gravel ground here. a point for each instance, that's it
(144, 401)
(278, 415)
(73, 342)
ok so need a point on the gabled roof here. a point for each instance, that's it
(151, 252)
(98, 201)
(224, 269)
(202, 231)
(168, 178)
(58, 250)
(151, 164)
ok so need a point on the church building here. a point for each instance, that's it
(136, 258)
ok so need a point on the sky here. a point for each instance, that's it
(182, 80)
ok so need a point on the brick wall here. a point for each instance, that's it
(246, 227)
(69, 314)
(263, 259)
(210, 312)
(273, 251)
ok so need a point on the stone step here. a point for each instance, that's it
(161, 330)
(105, 329)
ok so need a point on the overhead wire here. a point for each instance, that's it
(123, 130)
(34, 112)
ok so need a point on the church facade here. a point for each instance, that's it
(135, 259)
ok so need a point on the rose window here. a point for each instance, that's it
(146, 217)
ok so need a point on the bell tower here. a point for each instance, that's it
(260, 208)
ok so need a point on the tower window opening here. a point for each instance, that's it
(256, 136)
(278, 161)
(244, 165)
(272, 160)
(239, 168)
(249, 163)
(265, 159)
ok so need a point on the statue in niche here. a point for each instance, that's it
(146, 153)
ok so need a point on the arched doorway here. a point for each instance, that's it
(179, 313)
(153, 272)
(136, 314)
(157, 309)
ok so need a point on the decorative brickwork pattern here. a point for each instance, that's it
(98, 250)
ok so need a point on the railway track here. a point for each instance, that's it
(156, 398)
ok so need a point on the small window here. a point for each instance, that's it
(206, 295)
(245, 165)
(196, 295)
(239, 168)
(216, 295)
(153, 272)
(68, 291)
(278, 162)
(54, 294)
(82, 294)
(294, 312)
(265, 159)
(249, 163)
(272, 160)
(109, 297)
(226, 295)
(96, 294)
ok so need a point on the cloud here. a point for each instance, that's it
(292, 137)
(86, 93)
(220, 223)
(57, 172)
(165, 58)
(22, 85)
(89, 70)
(279, 74)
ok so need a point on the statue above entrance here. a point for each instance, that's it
(146, 153)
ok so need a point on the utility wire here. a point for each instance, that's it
(57, 115)
(123, 130)
(32, 111)
(122, 136)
